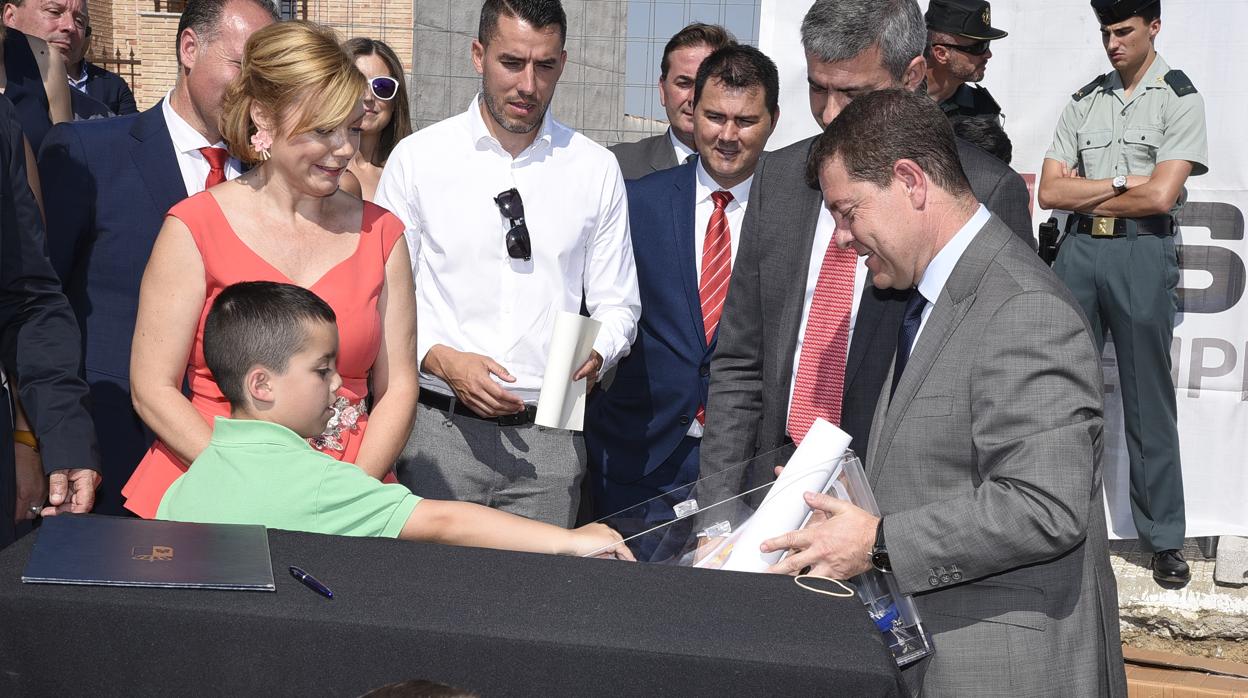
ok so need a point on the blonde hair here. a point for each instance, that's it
(290, 65)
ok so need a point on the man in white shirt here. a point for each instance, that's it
(643, 433)
(511, 218)
(107, 185)
(678, 70)
(985, 453)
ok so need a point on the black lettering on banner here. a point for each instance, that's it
(1225, 222)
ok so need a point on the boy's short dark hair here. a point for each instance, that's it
(258, 323)
(740, 67)
(985, 132)
(537, 13)
(712, 36)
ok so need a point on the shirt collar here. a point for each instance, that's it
(250, 432)
(80, 83)
(481, 136)
(705, 186)
(1154, 77)
(185, 138)
(682, 151)
(942, 265)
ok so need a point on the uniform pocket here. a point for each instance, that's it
(1140, 146)
(1093, 150)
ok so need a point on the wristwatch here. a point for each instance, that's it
(1120, 184)
(879, 553)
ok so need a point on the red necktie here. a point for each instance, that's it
(716, 271)
(216, 157)
(820, 384)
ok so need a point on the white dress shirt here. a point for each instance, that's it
(703, 207)
(682, 151)
(442, 180)
(823, 237)
(186, 144)
(937, 273)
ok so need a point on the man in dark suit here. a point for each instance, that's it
(767, 386)
(40, 353)
(107, 186)
(63, 24)
(682, 55)
(985, 455)
(106, 87)
(643, 432)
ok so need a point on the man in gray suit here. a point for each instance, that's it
(682, 55)
(985, 453)
(852, 47)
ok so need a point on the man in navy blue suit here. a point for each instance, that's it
(643, 432)
(107, 184)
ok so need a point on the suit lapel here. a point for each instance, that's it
(683, 193)
(156, 159)
(661, 156)
(950, 309)
(805, 203)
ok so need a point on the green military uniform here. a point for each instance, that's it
(1125, 273)
(971, 100)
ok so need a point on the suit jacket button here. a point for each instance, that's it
(933, 581)
(684, 420)
(944, 578)
(704, 371)
(956, 576)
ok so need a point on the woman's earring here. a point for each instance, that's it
(261, 142)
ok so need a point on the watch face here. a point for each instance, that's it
(880, 561)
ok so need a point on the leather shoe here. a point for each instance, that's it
(1169, 566)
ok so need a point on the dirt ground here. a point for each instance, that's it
(1230, 650)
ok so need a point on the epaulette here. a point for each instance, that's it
(1087, 89)
(1179, 82)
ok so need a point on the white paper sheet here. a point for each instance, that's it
(562, 402)
(815, 463)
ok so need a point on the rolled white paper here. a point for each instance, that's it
(561, 404)
(813, 465)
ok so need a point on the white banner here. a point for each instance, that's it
(1053, 49)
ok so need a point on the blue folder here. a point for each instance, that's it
(113, 551)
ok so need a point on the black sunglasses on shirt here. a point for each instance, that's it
(512, 207)
(978, 48)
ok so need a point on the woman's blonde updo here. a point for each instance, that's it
(288, 66)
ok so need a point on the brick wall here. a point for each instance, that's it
(156, 34)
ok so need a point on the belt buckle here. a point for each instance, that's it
(513, 420)
(1103, 227)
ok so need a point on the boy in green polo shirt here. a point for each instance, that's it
(272, 349)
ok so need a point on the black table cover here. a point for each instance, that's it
(498, 623)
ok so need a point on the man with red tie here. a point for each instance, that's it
(107, 184)
(643, 432)
(804, 334)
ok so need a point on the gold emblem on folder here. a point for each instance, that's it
(156, 553)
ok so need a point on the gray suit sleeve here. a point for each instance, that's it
(1009, 200)
(1036, 431)
(736, 391)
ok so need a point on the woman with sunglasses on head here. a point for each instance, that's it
(386, 119)
(293, 114)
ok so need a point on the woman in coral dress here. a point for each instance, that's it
(284, 220)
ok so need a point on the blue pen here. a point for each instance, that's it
(311, 582)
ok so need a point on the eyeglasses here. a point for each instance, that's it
(383, 87)
(512, 207)
(978, 48)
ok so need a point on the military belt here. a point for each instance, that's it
(1110, 227)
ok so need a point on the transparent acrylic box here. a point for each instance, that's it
(715, 523)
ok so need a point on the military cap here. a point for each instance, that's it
(968, 18)
(1115, 11)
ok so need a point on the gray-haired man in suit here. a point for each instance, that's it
(985, 452)
(682, 55)
(767, 347)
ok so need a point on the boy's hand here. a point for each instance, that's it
(593, 537)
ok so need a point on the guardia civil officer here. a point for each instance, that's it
(1124, 147)
(959, 33)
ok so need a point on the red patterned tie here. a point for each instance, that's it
(216, 157)
(716, 270)
(820, 384)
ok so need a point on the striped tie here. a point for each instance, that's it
(820, 384)
(716, 270)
